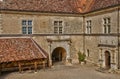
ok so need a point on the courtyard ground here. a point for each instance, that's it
(62, 72)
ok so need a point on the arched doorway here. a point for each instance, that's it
(107, 59)
(59, 55)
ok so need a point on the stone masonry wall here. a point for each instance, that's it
(92, 42)
(42, 24)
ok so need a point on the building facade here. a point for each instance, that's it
(65, 27)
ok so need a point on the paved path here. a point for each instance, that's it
(63, 72)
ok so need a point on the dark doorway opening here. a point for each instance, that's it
(58, 55)
(107, 59)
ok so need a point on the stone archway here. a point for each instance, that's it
(107, 60)
(59, 55)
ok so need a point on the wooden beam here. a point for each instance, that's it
(35, 66)
(20, 67)
(43, 64)
(0, 68)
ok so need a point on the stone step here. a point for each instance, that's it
(103, 70)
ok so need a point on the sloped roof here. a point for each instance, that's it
(0, 4)
(100, 4)
(18, 49)
(58, 6)
(40, 5)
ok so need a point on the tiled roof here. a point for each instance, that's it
(100, 4)
(41, 5)
(18, 49)
(0, 4)
(58, 6)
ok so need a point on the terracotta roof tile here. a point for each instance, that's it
(58, 6)
(100, 4)
(0, 4)
(40, 5)
(17, 49)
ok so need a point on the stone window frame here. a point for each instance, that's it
(27, 26)
(58, 26)
(89, 26)
(107, 25)
(88, 53)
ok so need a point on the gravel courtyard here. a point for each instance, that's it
(62, 72)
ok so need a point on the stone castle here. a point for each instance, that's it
(65, 27)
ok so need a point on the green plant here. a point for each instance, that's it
(81, 56)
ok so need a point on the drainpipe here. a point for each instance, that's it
(118, 37)
(84, 34)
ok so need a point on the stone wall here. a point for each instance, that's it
(73, 24)
(72, 46)
(77, 45)
(98, 36)
(97, 21)
(42, 24)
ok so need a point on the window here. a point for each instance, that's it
(27, 26)
(88, 27)
(88, 53)
(107, 25)
(58, 27)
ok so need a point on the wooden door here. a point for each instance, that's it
(107, 60)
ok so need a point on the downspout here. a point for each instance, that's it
(84, 34)
(118, 29)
